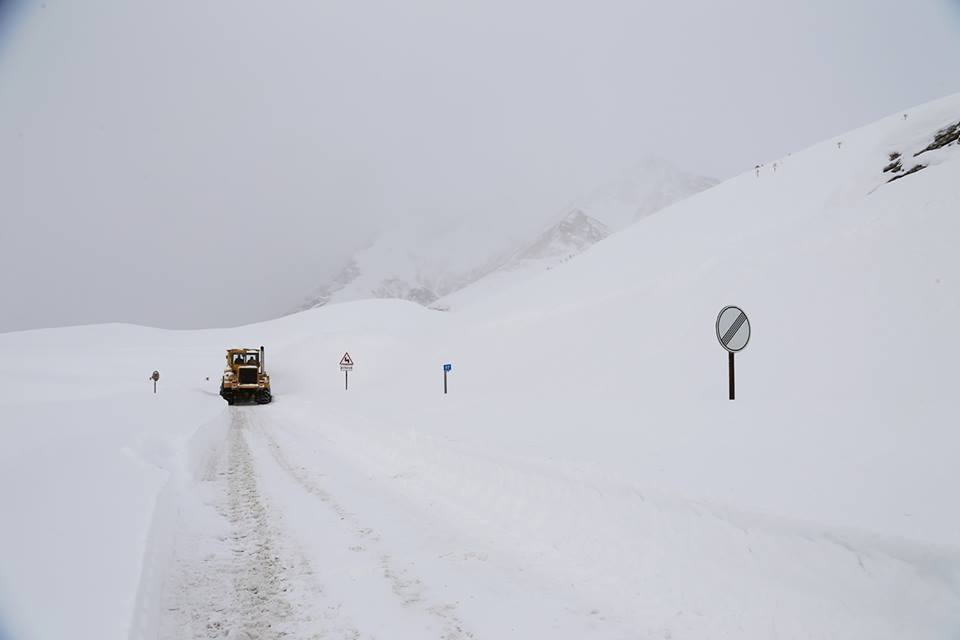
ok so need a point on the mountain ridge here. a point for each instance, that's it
(399, 264)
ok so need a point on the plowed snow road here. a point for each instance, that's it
(291, 560)
(299, 523)
(293, 541)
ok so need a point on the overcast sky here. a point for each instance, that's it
(192, 163)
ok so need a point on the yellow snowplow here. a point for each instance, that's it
(245, 379)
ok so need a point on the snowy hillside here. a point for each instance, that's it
(648, 187)
(570, 236)
(414, 262)
(585, 477)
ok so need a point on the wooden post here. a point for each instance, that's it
(730, 353)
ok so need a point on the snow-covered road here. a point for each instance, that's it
(243, 575)
(290, 538)
(295, 523)
(269, 571)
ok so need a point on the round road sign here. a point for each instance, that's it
(155, 376)
(733, 329)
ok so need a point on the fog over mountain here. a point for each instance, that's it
(424, 264)
(188, 164)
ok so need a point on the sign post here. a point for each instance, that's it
(346, 365)
(731, 375)
(733, 332)
(155, 376)
(446, 369)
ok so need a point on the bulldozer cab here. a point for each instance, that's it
(243, 357)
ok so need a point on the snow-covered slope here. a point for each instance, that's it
(413, 262)
(646, 188)
(649, 186)
(851, 284)
(586, 476)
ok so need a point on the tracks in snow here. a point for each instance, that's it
(374, 567)
(264, 551)
(233, 573)
(292, 530)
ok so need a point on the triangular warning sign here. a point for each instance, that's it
(346, 360)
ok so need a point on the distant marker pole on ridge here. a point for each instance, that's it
(155, 376)
(446, 369)
(346, 365)
(733, 332)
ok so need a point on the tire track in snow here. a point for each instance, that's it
(247, 582)
(408, 588)
(259, 587)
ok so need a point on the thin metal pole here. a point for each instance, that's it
(730, 353)
(444, 380)
(346, 379)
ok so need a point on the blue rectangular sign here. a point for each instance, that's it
(447, 367)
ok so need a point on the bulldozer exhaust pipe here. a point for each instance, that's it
(263, 367)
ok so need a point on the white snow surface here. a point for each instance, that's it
(586, 476)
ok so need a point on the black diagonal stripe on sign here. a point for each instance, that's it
(732, 331)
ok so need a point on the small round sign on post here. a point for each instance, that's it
(733, 332)
(155, 376)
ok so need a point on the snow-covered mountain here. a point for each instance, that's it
(574, 233)
(647, 187)
(422, 265)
